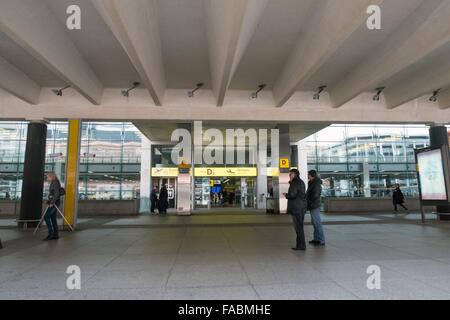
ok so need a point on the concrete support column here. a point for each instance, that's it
(72, 173)
(281, 183)
(261, 179)
(261, 187)
(302, 158)
(366, 181)
(185, 188)
(439, 137)
(146, 179)
(33, 172)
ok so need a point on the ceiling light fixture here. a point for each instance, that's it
(320, 89)
(59, 92)
(260, 88)
(126, 93)
(191, 93)
(434, 97)
(379, 90)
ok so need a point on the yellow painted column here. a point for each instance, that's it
(72, 169)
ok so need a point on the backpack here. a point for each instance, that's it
(62, 192)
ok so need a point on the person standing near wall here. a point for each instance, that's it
(296, 207)
(53, 202)
(313, 199)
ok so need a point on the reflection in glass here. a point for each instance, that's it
(366, 160)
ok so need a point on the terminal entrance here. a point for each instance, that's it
(225, 192)
(171, 185)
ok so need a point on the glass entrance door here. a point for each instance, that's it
(248, 187)
(171, 184)
(225, 192)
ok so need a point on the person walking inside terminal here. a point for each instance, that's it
(296, 207)
(163, 202)
(53, 202)
(398, 198)
(313, 199)
(153, 199)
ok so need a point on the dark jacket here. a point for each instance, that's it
(296, 197)
(154, 196)
(314, 193)
(163, 203)
(397, 196)
(54, 193)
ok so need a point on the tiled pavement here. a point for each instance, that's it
(237, 257)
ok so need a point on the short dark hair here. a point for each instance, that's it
(312, 173)
(295, 171)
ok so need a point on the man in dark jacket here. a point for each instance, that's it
(313, 198)
(153, 199)
(297, 206)
(398, 198)
(52, 202)
(163, 202)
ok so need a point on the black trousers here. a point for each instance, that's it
(399, 204)
(298, 219)
(51, 221)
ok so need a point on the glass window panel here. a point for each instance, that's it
(331, 152)
(331, 133)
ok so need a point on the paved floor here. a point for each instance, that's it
(246, 259)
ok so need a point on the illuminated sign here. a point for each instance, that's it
(430, 166)
(284, 163)
(226, 172)
(184, 164)
(164, 172)
(273, 172)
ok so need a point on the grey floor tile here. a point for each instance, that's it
(117, 294)
(418, 269)
(225, 261)
(404, 289)
(214, 293)
(310, 291)
(127, 280)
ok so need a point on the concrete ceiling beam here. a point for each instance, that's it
(230, 26)
(135, 26)
(331, 24)
(35, 28)
(18, 83)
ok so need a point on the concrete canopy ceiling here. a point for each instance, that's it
(162, 131)
(292, 46)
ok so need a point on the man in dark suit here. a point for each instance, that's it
(297, 206)
(163, 202)
(154, 199)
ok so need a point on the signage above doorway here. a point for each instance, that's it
(226, 172)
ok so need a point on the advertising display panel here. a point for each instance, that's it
(433, 175)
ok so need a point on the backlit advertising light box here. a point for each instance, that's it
(433, 175)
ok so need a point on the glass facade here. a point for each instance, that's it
(353, 160)
(13, 137)
(366, 160)
(109, 159)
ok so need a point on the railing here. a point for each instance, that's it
(374, 192)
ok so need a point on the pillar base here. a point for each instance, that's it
(144, 205)
(443, 212)
(27, 225)
(444, 216)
